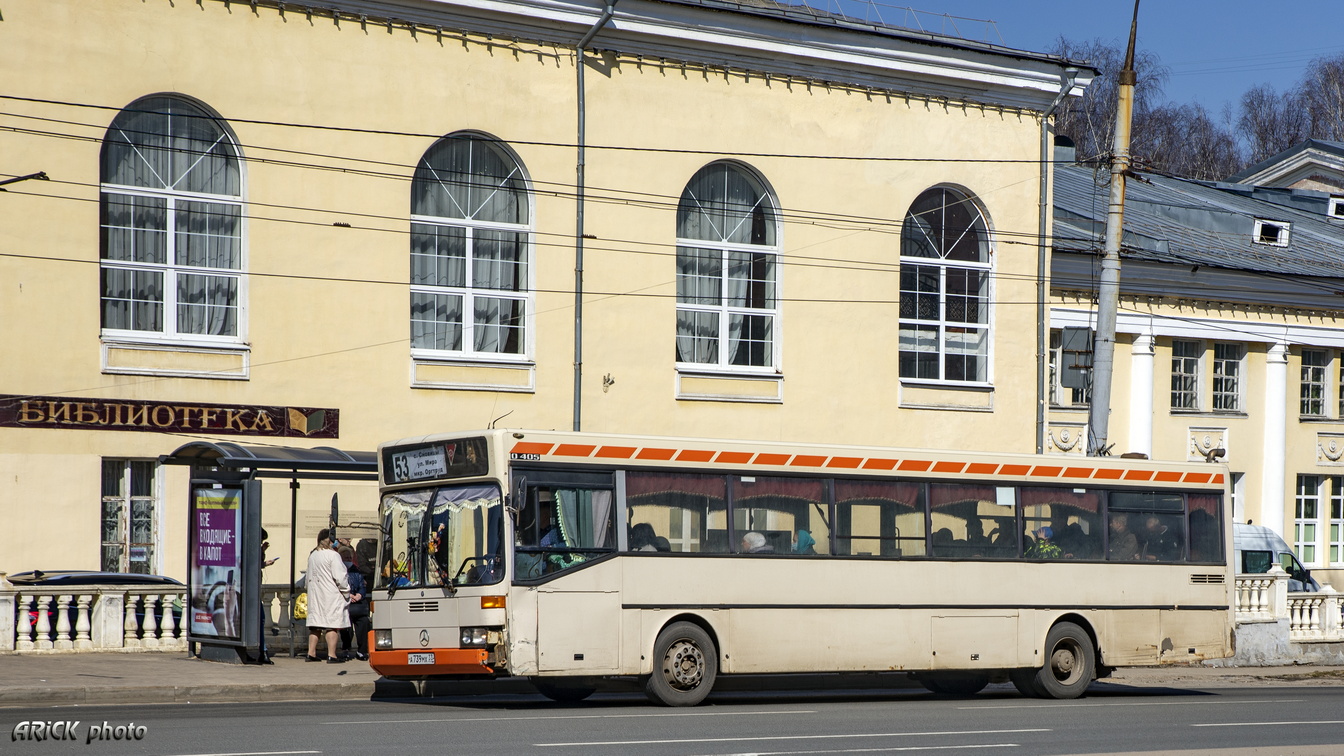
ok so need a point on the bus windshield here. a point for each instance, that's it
(446, 536)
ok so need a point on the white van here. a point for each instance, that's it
(1256, 548)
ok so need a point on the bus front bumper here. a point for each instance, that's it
(430, 662)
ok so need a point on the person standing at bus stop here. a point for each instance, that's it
(328, 598)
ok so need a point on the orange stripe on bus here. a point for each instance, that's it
(616, 452)
(771, 459)
(981, 468)
(1167, 477)
(1218, 479)
(1139, 475)
(1045, 471)
(530, 447)
(916, 465)
(1198, 477)
(805, 460)
(659, 454)
(1014, 469)
(733, 458)
(1078, 472)
(695, 455)
(949, 467)
(879, 464)
(846, 462)
(1109, 473)
(574, 450)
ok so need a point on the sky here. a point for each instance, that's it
(1215, 49)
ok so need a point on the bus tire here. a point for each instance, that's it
(562, 692)
(1025, 681)
(1070, 662)
(957, 685)
(685, 664)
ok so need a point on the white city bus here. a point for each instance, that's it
(567, 558)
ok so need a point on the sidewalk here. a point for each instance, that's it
(112, 678)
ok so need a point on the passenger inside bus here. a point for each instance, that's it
(755, 543)
(1124, 544)
(642, 537)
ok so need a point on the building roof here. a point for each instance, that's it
(1182, 222)
(1320, 146)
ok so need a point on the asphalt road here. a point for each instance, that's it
(1112, 719)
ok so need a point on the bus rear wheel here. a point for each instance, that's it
(565, 692)
(954, 684)
(1070, 662)
(685, 664)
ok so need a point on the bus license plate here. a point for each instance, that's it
(420, 658)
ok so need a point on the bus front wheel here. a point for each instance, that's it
(1070, 662)
(685, 664)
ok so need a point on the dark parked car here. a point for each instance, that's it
(76, 579)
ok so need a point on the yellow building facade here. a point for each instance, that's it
(281, 224)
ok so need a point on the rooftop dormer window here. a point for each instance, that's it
(1336, 209)
(1273, 233)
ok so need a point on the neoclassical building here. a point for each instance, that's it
(1228, 344)
(340, 223)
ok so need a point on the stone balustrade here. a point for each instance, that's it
(1312, 617)
(119, 618)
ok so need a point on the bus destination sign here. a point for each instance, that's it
(459, 458)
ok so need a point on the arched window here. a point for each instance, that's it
(945, 289)
(470, 250)
(727, 271)
(172, 217)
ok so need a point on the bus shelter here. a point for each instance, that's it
(224, 614)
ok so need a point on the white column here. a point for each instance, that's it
(1141, 394)
(1272, 481)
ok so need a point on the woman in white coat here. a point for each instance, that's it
(328, 597)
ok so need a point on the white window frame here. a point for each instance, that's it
(1314, 377)
(1336, 208)
(1188, 370)
(171, 270)
(1280, 232)
(1335, 533)
(468, 292)
(725, 311)
(1228, 377)
(941, 323)
(1307, 511)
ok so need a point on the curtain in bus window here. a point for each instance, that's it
(972, 520)
(403, 520)
(1206, 528)
(464, 536)
(585, 518)
(791, 513)
(1061, 523)
(879, 518)
(685, 512)
(1156, 519)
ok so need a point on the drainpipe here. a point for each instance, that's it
(1066, 80)
(602, 20)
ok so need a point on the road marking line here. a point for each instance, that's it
(251, 753)
(877, 750)
(1267, 724)
(792, 737)
(1136, 703)
(578, 716)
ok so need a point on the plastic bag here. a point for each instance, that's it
(301, 606)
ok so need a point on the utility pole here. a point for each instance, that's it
(1108, 291)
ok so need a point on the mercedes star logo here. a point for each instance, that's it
(424, 638)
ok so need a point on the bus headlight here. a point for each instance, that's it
(473, 637)
(382, 640)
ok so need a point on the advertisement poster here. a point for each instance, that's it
(216, 564)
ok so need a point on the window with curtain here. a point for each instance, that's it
(129, 516)
(1186, 386)
(171, 216)
(945, 269)
(470, 250)
(727, 271)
